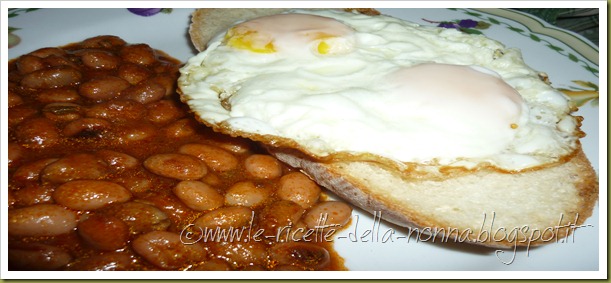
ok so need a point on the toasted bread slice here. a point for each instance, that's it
(482, 206)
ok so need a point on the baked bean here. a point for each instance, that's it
(261, 166)
(299, 189)
(53, 77)
(241, 254)
(111, 261)
(77, 166)
(235, 145)
(58, 95)
(117, 110)
(305, 255)
(164, 111)
(333, 213)
(103, 88)
(177, 166)
(58, 61)
(181, 129)
(135, 184)
(167, 81)
(90, 194)
(38, 132)
(212, 180)
(246, 194)
(167, 251)
(198, 195)
(20, 113)
(34, 194)
(48, 51)
(117, 160)
(141, 217)
(140, 54)
(214, 264)
(145, 92)
(135, 132)
(103, 232)
(15, 153)
(14, 99)
(87, 128)
(37, 256)
(178, 213)
(29, 63)
(225, 217)
(30, 172)
(103, 41)
(41, 220)
(279, 215)
(99, 59)
(133, 73)
(215, 158)
(62, 111)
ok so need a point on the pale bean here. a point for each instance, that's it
(15, 153)
(87, 128)
(37, 256)
(41, 220)
(240, 254)
(135, 184)
(198, 195)
(235, 145)
(103, 88)
(133, 73)
(77, 166)
(145, 92)
(305, 255)
(103, 232)
(58, 95)
(34, 194)
(299, 189)
(167, 251)
(175, 209)
(246, 194)
(141, 217)
(38, 132)
(164, 111)
(279, 215)
(103, 41)
(29, 63)
(62, 111)
(177, 166)
(53, 77)
(214, 264)
(261, 166)
(99, 59)
(181, 129)
(117, 110)
(141, 54)
(118, 161)
(225, 217)
(136, 132)
(90, 194)
(112, 261)
(330, 213)
(215, 158)
(30, 172)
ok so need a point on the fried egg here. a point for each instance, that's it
(332, 82)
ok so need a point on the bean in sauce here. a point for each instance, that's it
(108, 170)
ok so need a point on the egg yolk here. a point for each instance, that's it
(464, 93)
(286, 32)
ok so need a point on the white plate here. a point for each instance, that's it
(563, 55)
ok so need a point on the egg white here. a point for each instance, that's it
(344, 102)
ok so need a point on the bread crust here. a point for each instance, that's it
(579, 187)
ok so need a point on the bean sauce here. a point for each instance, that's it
(108, 170)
